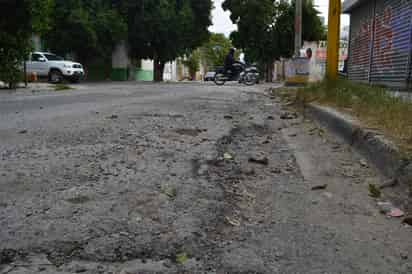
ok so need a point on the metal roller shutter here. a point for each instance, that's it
(391, 43)
(361, 41)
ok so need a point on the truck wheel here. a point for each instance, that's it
(55, 76)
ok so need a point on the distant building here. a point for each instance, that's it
(344, 33)
(380, 41)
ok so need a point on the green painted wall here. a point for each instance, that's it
(143, 75)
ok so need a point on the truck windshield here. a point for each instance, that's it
(53, 57)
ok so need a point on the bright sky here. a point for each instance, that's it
(221, 20)
(222, 23)
(322, 6)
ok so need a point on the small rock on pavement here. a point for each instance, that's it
(259, 158)
(288, 116)
(227, 156)
(276, 171)
(114, 116)
(319, 187)
(363, 163)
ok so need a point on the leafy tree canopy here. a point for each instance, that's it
(87, 28)
(165, 29)
(266, 27)
(214, 51)
(18, 21)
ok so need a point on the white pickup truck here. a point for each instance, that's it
(46, 64)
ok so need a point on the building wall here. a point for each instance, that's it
(380, 43)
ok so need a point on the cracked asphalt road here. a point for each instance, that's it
(183, 178)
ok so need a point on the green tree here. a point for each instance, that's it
(18, 21)
(266, 28)
(162, 30)
(214, 51)
(89, 29)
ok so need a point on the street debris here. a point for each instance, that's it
(319, 187)
(363, 163)
(181, 258)
(113, 117)
(374, 191)
(336, 147)
(384, 207)
(259, 159)
(312, 131)
(396, 213)
(321, 132)
(227, 156)
(170, 192)
(288, 116)
(24, 131)
(228, 117)
(390, 210)
(276, 171)
(232, 221)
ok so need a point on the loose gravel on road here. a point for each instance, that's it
(183, 178)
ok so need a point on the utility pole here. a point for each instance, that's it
(333, 40)
(298, 27)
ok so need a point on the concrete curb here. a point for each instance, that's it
(384, 154)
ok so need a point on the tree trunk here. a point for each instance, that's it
(269, 72)
(158, 67)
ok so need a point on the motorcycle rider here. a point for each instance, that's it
(230, 60)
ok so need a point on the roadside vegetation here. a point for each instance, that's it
(60, 87)
(19, 19)
(374, 106)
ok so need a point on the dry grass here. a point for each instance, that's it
(374, 106)
(59, 87)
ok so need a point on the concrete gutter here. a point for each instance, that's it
(384, 154)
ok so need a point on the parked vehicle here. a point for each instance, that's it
(249, 75)
(46, 64)
(210, 76)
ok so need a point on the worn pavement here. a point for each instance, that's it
(183, 178)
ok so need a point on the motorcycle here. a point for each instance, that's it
(248, 75)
